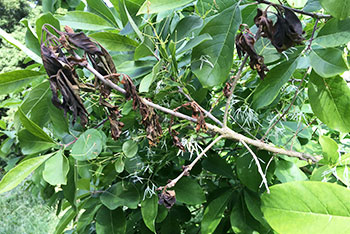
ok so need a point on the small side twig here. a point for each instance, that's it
(188, 168)
(308, 48)
(263, 177)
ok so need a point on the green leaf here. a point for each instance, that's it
(217, 165)
(119, 165)
(193, 43)
(31, 39)
(253, 203)
(100, 7)
(49, 5)
(312, 5)
(156, 6)
(56, 169)
(213, 213)
(11, 82)
(88, 146)
(297, 3)
(58, 120)
(110, 221)
(47, 18)
(133, 24)
(329, 149)
(31, 144)
(334, 33)
(149, 211)
(85, 20)
(121, 194)
(330, 101)
(212, 59)
(65, 220)
(130, 148)
(16, 175)
(287, 172)
(33, 128)
(148, 80)
(342, 174)
(338, 9)
(268, 89)
(307, 207)
(188, 191)
(20, 46)
(328, 62)
(35, 105)
(114, 42)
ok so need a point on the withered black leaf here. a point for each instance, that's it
(167, 198)
(82, 41)
(114, 115)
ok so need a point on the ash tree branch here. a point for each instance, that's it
(313, 15)
(224, 131)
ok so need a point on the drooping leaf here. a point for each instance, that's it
(114, 42)
(269, 88)
(149, 211)
(212, 59)
(56, 169)
(334, 33)
(308, 207)
(214, 211)
(84, 20)
(17, 174)
(20, 46)
(110, 221)
(33, 128)
(121, 194)
(101, 7)
(330, 101)
(188, 191)
(330, 149)
(338, 9)
(328, 62)
(88, 146)
(156, 6)
(11, 82)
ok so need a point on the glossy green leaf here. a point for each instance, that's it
(328, 62)
(110, 221)
(85, 20)
(193, 43)
(334, 33)
(343, 174)
(49, 5)
(47, 18)
(330, 101)
(330, 149)
(88, 146)
(268, 89)
(114, 42)
(31, 39)
(156, 6)
(133, 24)
(33, 128)
(119, 165)
(31, 144)
(287, 172)
(121, 194)
(11, 82)
(297, 3)
(35, 105)
(338, 9)
(58, 120)
(214, 211)
(253, 203)
(20, 46)
(212, 59)
(148, 79)
(101, 7)
(56, 169)
(17, 174)
(188, 191)
(130, 148)
(149, 211)
(307, 207)
(312, 5)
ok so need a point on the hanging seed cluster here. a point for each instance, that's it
(284, 33)
(58, 51)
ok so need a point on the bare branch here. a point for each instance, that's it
(314, 15)
(263, 177)
(188, 168)
(312, 36)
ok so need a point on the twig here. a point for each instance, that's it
(234, 83)
(188, 168)
(290, 105)
(225, 132)
(314, 15)
(263, 177)
(312, 36)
